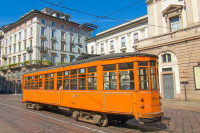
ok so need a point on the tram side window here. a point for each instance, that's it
(46, 81)
(73, 80)
(109, 77)
(29, 83)
(153, 79)
(36, 82)
(153, 75)
(59, 80)
(66, 80)
(51, 81)
(32, 82)
(82, 79)
(40, 82)
(143, 78)
(92, 78)
(126, 76)
(26, 83)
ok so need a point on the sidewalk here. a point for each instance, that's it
(181, 105)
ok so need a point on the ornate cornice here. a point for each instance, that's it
(149, 2)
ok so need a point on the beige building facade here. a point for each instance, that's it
(173, 28)
(39, 39)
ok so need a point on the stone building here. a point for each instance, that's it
(173, 34)
(39, 39)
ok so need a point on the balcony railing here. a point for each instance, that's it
(37, 62)
(169, 38)
(43, 49)
(29, 49)
(4, 57)
(60, 63)
(15, 65)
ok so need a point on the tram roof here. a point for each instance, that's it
(97, 58)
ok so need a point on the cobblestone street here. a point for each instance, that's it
(14, 114)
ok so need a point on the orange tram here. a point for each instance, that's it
(99, 89)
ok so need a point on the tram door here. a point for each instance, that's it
(168, 86)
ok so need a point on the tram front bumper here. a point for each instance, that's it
(151, 115)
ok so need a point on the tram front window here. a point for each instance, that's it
(143, 76)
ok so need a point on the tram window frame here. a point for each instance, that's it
(32, 83)
(92, 78)
(153, 76)
(59, 80)
(82, 85)
(26, 83)
(66, 77)
(36, 82)
(126, 67)
(73, 79)
(40, 82)
(51, 81)
(145, 75)
(46, 82)
(108, 71)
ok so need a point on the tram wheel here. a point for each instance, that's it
(104, 120)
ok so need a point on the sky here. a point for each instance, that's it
(12, 10)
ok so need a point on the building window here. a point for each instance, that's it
(31, 31)
(24, 57)
(71, 28)
(19, 36)
(123, 41)
(53, 44)
(30, 57)
(43, 21)
(63, 35)
(63, 26)
(24, 44)
(14, 59)
(79, 39)
(19, 59)
(42, 43)
(135, 37)
(102, 47)
(175, 23)
(53, 24)
(14, 48)
(19, 46)
(63, 46)
(42, 31)
(92, 50)
(31, 21)
(71, 38)
(166, 58)
(15, 38)
(20, 27)
(25, 34)
(112, 45)
(31, 43)
(10, 50)
(53, 59)
(53, 33)
(10, 40)
(62, 59)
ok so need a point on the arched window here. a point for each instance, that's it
(166, 58)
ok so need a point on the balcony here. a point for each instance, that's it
(4, 57)
(43, 36)
(62, 39)
(43, 49)
(53, 38)
(15, 65)
(178, 36)
(37, 63)
(61, 63)
(29, 49)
